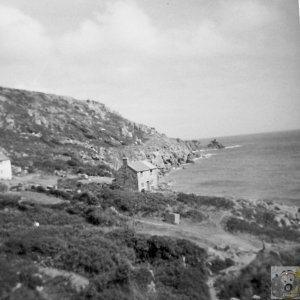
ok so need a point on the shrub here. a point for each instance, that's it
(90, 256)
(14, 272)
(194, 215)
(73, 162)
(268, 232)
(9, 200)
(52, 216)
(40, 189)
(97, 216)
(94, 170)
(60, 194)
(51, 165)
(184, 283)
(195, 200)
(3, 187)
(13, 220)
(34, 242)
(219, 264)
(87, 198)
(135, 202)
(255, 278)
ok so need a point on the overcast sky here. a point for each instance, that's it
(190, 68)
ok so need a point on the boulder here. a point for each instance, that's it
(286, 222)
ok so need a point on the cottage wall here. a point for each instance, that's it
(145, 177)
(5, 170)
(127, 177)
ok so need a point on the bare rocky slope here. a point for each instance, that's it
(37, 129)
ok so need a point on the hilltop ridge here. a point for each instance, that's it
(37, 127)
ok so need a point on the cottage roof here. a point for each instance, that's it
(3, 157)
(140, 166)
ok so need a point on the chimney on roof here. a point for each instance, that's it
(125, 161)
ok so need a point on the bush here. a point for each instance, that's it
(135, 202)
(97, 216)
(197, 201)
(13, 220)
(60, 194)
(219, 264)
(34, 242)
(268, 232)
(90, 256)
(55, 192)
(14, 272)
(9, 200)
(87, 198)
(194, 215)
(51, 165)
(94, 170)
(184, 283)
(254, 279)
(3, 187)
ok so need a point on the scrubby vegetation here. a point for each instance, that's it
(218, 264)
(267, 231)
(88, 237)
(254, 279)
(197, 201)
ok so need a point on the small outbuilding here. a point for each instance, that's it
(172, 218)
(138, 175)
(5, 167)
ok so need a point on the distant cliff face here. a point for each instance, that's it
(35, 127)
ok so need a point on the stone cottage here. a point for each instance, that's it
(5, 167)
(138, 175)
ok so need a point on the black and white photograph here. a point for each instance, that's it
(149, 149)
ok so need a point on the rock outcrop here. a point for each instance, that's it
(214, 144)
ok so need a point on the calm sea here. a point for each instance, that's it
(260, 166)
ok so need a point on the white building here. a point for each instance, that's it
(5, 167)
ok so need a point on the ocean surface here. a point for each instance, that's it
(259, 166)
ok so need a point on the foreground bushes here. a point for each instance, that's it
(178, 282)
(254, 279)
(119, 264)
(22, 273)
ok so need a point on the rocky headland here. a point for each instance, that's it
(36, 127)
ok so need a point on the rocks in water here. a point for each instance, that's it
(215, 145)
(190, 158)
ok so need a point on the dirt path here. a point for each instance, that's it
(207, 235)
(211, 236)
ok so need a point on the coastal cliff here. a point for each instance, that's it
(37, 128)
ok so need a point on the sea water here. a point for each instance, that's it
(259, 166)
